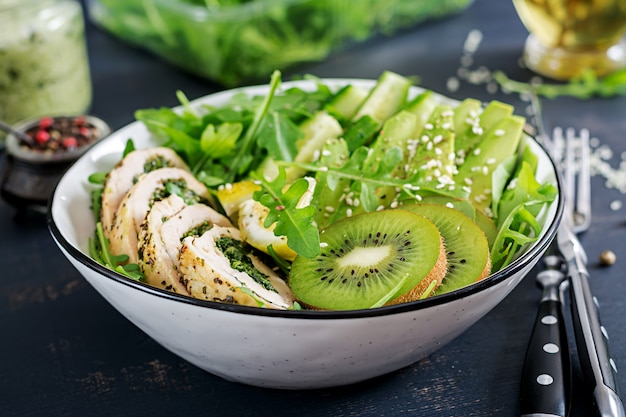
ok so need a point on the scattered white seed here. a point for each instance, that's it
(476, 151)
(323, 244)
(499, 132)
(616, 205)
(449, 205)
(453, 84)
(472, 41)
(492, 87)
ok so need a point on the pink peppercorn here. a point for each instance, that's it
(45, 122)
(42, 136)
(70, 142)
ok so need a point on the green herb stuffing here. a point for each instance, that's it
(198, 230)
(239, 260)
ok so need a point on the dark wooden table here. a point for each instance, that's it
(66, 352)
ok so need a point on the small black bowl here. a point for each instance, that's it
(29, 174)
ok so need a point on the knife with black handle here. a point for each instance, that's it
(546, 376)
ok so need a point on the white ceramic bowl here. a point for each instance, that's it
(270, 348)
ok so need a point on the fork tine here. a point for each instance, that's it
(582, 215)
(569, 174)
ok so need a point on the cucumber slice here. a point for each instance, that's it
(346, 102)
(499, 143)
(386, 98)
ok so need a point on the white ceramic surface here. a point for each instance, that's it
(270, 348)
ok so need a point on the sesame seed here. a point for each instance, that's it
(476, 151)
(429, 126)
(449, 205)
(323, 244)
(499, 132)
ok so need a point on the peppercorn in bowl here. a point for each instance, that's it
(273, 328)
(50, 145)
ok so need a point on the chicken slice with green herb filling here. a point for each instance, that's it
(124, 175)
(217, 267)
(161, 234)
(150, 188)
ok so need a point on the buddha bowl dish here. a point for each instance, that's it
(303, 325)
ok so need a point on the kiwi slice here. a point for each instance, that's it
(369, 259)
(467, 248)
(460, 204)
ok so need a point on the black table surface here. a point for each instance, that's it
(67, 352)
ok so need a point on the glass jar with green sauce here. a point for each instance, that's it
(44, 68)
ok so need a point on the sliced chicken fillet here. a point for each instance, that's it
(125, 174)
(161, 234)
(208, 273)
(137, 202)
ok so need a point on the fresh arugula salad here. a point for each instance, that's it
(322, 198)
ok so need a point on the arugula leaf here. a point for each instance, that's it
(99, 251)
(278, 135)
(518, 229)
(220, 142)
(289, 219)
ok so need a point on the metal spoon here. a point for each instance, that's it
(20, 135)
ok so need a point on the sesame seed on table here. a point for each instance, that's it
(69, 353)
